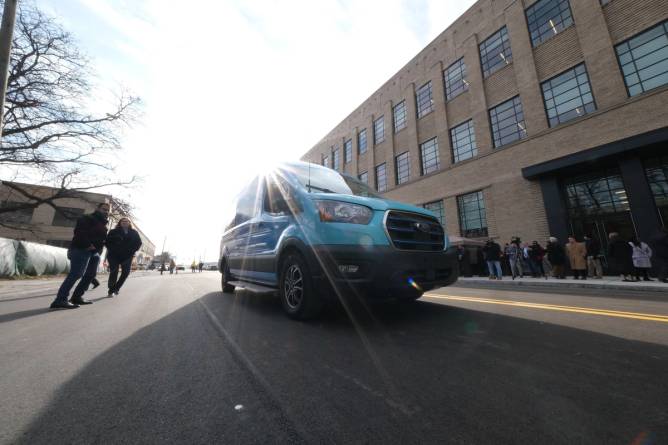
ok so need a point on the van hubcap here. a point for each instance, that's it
(293, 286)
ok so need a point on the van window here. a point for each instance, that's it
(276, 193)
(316, 179)
(247, 203)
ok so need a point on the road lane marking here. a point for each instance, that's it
(554, 307)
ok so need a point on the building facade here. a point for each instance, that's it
(524, 118)
(53, 226)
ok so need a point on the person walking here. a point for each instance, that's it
(162, 268)
(536, 253)
(594, 267)
(84, 253)
(122, 243)
(660, 250)
(641, 254)
(193, 266)
(620, 257)
(172, 266)
(492, 253)
(577, 257)
(557, 258)
(514, 255)
(200, 266)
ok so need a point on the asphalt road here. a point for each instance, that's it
(173, 360)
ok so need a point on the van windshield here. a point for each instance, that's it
(318, 179)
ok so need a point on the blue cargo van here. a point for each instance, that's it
(313, 234)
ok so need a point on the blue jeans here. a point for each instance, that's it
(492, 265)
(83, 265)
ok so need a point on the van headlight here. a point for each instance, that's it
(343, 212)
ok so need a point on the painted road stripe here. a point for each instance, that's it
(554, 307)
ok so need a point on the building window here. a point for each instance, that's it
(348, 151)
(361, 141)
(595, 194)
(66, 216)
(23, 216)
(472, 215)
(381, 178)
(462, 139)
(399, 113)
(507, 122)
(336, 158)
(547, 18)
(429, 156)
(403, 167)
(364, 177)
(425, 104)
(495, 52)
(325, 161)
(437, 208)
(657, 175)
(455, 80)
(568, 96)
(378, 130)
(644, 60)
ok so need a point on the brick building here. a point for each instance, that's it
(528, 118)
(53, 226)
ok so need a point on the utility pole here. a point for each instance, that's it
(6, 36)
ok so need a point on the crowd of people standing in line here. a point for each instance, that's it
(629, 259)
(90, 239)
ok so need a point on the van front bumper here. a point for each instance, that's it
(381, 272)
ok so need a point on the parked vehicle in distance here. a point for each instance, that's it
(314, 234)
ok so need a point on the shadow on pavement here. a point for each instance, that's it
(5, 318)
(423, 373)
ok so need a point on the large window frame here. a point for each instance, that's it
(566, 83)
(472, 215)
(336, 158)
(429, 156)
(402, 163)
(495, 52)
(437, 208)
(463, 142)
(400, 116)
(424, 100)
(66, 216)
(348, 151)
(637, 58)
(23, 216)
(507, 122)
(379, 131)
(547, 18)
(381, 177)
(362, 142)
(454, 78)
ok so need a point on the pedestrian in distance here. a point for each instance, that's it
(620, 257)
(577, 257)
(200, 266)
(492, 253)
(193, 266)
(514, 256)
(641, 254)
(536, 254)
(594, 266)
(556, 255)
(162, 268)
(172, 266)
(90, 233)
(660, 250)
(122, 243)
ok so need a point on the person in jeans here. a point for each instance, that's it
(514, 254)
(557, 257)
(594, 267)
(641, 255)
(492, 252)
(84, 253)
(122, 243)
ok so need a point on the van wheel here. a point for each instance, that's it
(224, 278)
(296, 289)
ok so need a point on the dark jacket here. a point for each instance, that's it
(536, 252)
(90, 230)
(660, 246)
(593, 247)
(556, 254)
(620, 256)
(122, 246)
(492, 251)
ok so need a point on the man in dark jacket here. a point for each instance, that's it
(556, 255)
(492, 252)
(593, 257)
(122, 243)
(84, 254)
(620, 257)
(660, 258)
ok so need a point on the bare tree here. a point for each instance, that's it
(49, 131)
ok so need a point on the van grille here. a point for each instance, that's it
(410, 231)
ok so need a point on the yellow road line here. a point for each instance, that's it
(554, 307)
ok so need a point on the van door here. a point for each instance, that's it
(266, 231)
(238, 246)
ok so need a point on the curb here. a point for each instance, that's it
(561, 285)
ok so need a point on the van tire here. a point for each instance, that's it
(298, 296)
(224, 278)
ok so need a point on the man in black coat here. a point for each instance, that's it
(660, 249)
(122, 243)
(84, 254)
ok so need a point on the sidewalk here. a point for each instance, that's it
(613, 283)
